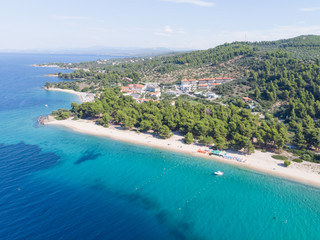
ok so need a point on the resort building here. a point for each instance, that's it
(247, 99)
(173, 93)
(202, 83)
(214, 84)
(127, 79)
(133, 88)
(155, 94)
(206, 81)
(134, 95)
(223, 80)
(210, 80)
(152, 87)
(188, 84)
(211, 95)
(203, 86)
(142, 100)
(126, 90)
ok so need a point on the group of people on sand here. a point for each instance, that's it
(222, 154)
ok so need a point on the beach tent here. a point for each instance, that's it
(216, 152)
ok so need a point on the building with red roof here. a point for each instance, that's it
(155, 94)
(188, 84)
(133, 88)
(223, 80)
(247, 99)
(203, 86)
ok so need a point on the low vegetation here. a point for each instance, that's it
(279, 157)
(306, 155)
(297, 160)
(61, 114)
(287, 163)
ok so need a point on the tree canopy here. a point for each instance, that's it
(209, 124)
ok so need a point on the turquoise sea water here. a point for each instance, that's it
(58, 184)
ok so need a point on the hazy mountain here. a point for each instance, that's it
(138, 52)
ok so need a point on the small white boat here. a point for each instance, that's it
(218, 173)
(46, 105)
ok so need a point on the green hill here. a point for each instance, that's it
(282, 77)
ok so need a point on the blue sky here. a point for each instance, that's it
(192, 24)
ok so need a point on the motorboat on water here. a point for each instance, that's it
(218, 173)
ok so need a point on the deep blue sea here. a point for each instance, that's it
(58, 184)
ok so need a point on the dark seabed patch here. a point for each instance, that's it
(21, 159)
(42, 198)
(88, 155)
(176, 229)
(17, 162)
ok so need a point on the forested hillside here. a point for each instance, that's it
(302, 47)
(282, 77)
(164, 69)
(226, 60)
(225, 126)
(294, 86)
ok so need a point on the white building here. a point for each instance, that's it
(155, 94)
(153, 87)
(211, 95)
(223, 80)
(188, 84)
(173, 93)
(203, 86)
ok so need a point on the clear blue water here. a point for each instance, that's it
(58, 184)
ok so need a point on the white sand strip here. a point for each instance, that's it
(84, 96)
(306, 172)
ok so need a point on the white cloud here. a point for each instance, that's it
(181, 31)
(163, 34)
(168, 29)
(100, 29)
(61, 17)
(195, 2)
(312, 9)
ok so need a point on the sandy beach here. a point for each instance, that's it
(84, 96)
(305, 172)
(51, 75)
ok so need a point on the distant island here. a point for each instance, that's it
(240, 97)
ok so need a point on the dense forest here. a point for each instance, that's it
(105, 79)
(294, 85)
(303, 47)
(224, 126)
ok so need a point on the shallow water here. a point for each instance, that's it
(58, 184)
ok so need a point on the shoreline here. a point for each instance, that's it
(51, 75)
(83, 96)
(306, 172)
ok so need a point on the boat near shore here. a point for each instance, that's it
(218, 173)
